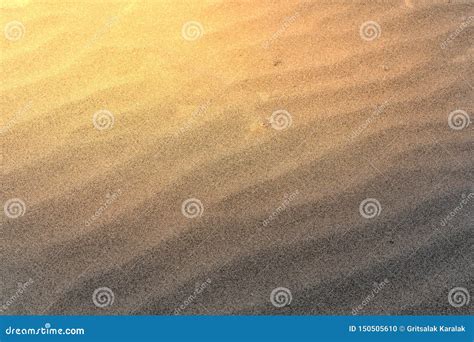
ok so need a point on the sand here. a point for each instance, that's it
(183, 96)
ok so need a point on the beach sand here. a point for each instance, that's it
(277, 120)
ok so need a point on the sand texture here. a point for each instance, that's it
(236, 157)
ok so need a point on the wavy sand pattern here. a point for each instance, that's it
(184, 95)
